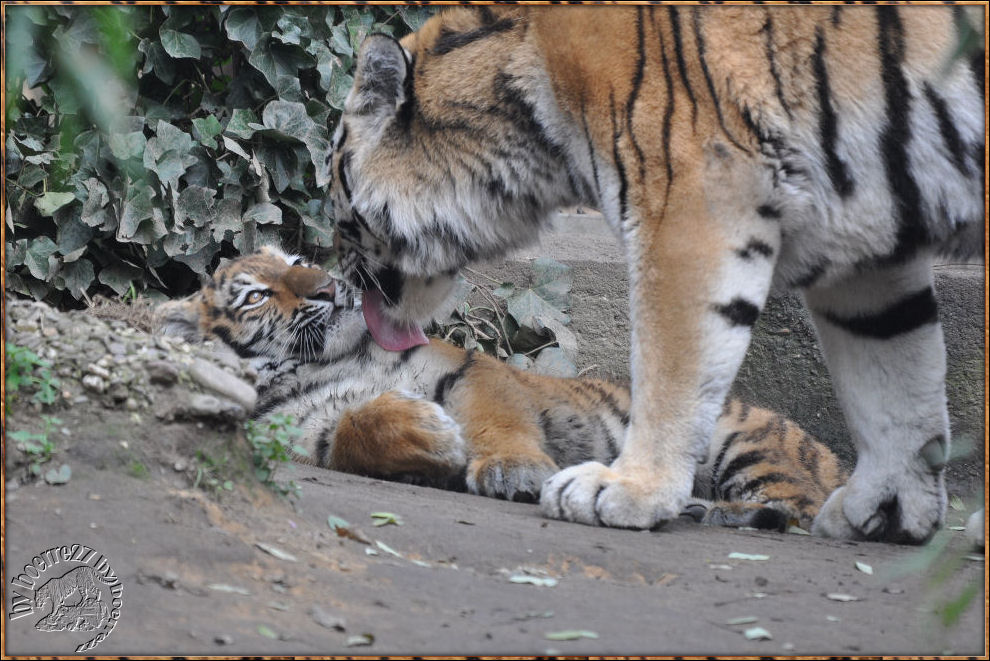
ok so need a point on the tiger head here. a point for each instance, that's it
(268, 304)
(441, 157)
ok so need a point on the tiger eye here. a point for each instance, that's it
(255, 297)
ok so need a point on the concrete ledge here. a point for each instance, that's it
(784, 369)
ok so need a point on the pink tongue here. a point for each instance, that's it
(388, 334)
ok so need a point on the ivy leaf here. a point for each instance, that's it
(37, 257)
(93, 212)
(275, 59)
(552, 281)
(119, 277)
(239, 124)
(77, 276)
(180, 44)
(72, 235)
(127, 145)
(242, 25)
(264, 213)
(526, 306)
(206, 129)
(232, 145)
(49, 203)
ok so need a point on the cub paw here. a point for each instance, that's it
(399, 434)
(596, 495)
(510, 477)
(906, 508)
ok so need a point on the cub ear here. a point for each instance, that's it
(380, 78)
(179, 318)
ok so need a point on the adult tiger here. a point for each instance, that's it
(832, 149)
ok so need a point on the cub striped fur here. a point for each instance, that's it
(438, 415)
(834, 149)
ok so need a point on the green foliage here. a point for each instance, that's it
(272, 443)
(145, 142)
(210, 473)
(36, 445)
(25, 369)
(514, 322)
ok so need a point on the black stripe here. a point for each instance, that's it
(675, 26)
(591, 150)
(700, 44)
(896, 135)
(738, 463)
(950, 136)
(828, 123)
(908, 314)
(449, 380)
(716, 466)
(668, 114)
(739, 312)
(323, 448)
(608, 399)
(637, 82)
(240, 349)
(768, 211)
(763, 480)
(619, 167)
(810, 276)
(836, 15)
(613, 447)
(774, 72)
(448, 40)
(755, 246)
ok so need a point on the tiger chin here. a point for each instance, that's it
(834, 150)
(438, 415)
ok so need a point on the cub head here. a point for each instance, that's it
(441, 158)
(268, 304)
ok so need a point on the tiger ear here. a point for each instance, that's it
(180, 318)
(380, 78)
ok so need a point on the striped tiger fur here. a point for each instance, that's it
(833, 149)
(436, 414)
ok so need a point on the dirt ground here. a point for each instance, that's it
(246, 572)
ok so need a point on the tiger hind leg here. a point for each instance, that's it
(400, 436)
(883, 344)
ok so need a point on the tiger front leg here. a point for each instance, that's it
(398, 435)
(700, 271)
(883, 345)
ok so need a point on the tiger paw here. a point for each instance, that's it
(596, 495)
(906, 508)
(399, 434)
(510, 477)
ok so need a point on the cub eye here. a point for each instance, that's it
(255, 297)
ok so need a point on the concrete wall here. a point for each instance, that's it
(784, 369)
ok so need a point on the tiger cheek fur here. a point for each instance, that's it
(831, 149)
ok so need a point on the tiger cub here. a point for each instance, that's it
(438, 415)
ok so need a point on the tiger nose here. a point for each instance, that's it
(307, 282)
(325, 293)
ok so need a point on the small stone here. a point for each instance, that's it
(49, 332)
(327, 620)
(117, 348)
(179, 466)
(81, 399)
(95, 383)
(99, 371)
(222, 382)
(223, 639)
(131, 404)
(162, 372)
